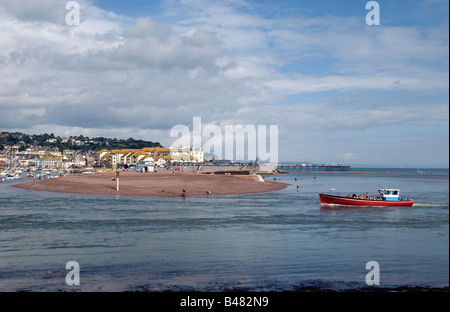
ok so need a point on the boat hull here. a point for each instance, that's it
(327, 199)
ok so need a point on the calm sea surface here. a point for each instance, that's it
(260, 242)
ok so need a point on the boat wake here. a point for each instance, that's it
(430, 205)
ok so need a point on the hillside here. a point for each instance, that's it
(79, 143)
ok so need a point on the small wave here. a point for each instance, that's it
(430, 205)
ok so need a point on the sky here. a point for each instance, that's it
(338, 90)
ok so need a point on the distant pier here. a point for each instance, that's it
(333, 167)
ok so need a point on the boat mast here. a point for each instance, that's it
(14, 158)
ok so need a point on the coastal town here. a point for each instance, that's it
(43, 158)
(37, 157)
(45, 154)
(91, 156)
(92, 166)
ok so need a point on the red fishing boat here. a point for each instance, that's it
(386, 197)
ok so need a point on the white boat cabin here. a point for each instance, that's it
(389, 194)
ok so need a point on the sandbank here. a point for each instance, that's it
(161, 184)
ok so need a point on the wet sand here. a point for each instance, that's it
(161, 184)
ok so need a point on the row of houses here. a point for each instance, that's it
(64, 162)
(47, 162)
(53, 159)
(158, 156)
(45, 158)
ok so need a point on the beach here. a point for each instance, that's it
(161, 184)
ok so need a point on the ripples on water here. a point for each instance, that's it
(273, 241)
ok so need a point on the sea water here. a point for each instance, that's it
(274, 241)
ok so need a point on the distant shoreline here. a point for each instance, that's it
(313, 171)
(347, 172)
(159, 184)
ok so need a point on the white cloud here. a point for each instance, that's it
(350, 157)
(116, 76)
(145, 77)
(298, 84)
(43, 10)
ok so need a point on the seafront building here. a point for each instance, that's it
(46, 158)
(158, 156)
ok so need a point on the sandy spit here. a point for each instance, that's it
(161, 184)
